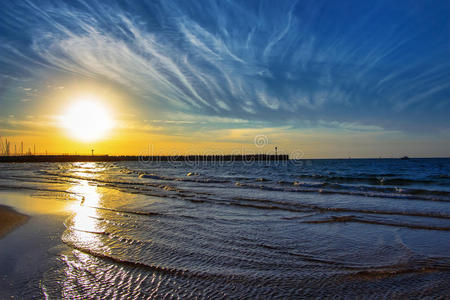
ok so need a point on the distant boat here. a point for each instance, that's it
(404, 158)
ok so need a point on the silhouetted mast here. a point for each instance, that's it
(7, 148)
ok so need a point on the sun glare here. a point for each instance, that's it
(87, 119)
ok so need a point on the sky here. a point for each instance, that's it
(315, 78)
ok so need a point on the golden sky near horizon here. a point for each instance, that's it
(197, 79)
(83, 116)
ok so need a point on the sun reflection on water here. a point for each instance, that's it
(86, 230)
(88, 170)
(85, 225)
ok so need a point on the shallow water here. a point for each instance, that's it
(247, 229)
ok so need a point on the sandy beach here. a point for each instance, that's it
(10, 219)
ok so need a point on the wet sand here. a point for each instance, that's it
(10, 219)
(30, 245)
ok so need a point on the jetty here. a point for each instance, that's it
(143, 158)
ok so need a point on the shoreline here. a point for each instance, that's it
(10, 219)
(30, 245)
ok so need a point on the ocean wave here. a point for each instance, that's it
(132, 212)
(283, 186)
(151, 176)
(337, 219)
(294, 207)
(365, 191)
(374, 179)
(115, 259)
(180, 272)
(417, 266)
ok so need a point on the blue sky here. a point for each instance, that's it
(360, 68)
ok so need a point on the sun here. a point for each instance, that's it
(87, 119)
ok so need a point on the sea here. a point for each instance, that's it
(330, 228)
